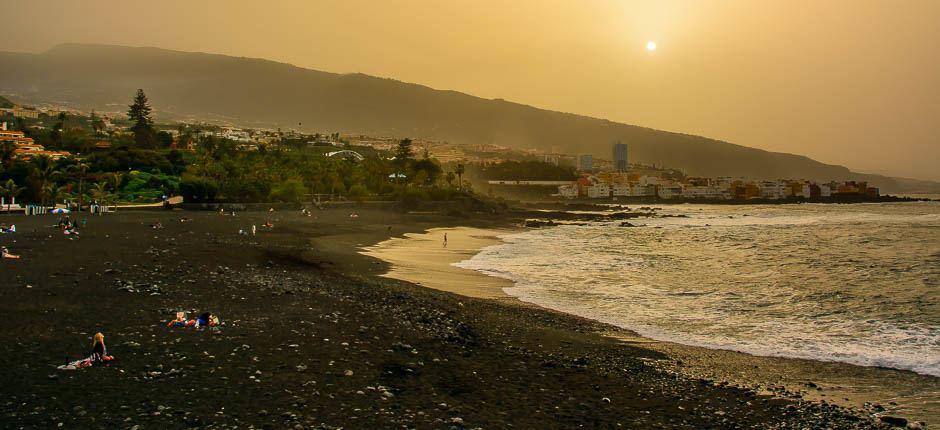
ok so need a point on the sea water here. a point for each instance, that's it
(850, 283)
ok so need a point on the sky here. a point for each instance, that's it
(855, 82)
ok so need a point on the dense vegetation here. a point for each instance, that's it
(141, 165)
(526, 171)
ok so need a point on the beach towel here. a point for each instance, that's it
(85, 362)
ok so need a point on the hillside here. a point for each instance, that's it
(266, 93)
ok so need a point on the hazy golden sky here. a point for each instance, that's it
(848, 82)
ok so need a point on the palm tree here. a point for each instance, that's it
(11, 190)
(100, 192)
(48, 191)
(82, 168)
(44, 172)
(115, 179)
(460, 170)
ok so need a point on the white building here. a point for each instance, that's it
(650, 180)
(597, 191)
(569, 191)
(669, 191)
(773, 190)
(701, 192)
(632, 189)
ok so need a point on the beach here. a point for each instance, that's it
(423, 259)
(315, 336)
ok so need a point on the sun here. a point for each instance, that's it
(651, 46)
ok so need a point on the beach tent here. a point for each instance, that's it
(59, 211)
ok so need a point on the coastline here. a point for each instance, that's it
(422, 259)
(315, 337)
(419, 258)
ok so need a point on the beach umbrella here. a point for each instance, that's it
(59, 211)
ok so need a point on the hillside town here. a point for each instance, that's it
(618, 179)
(588, 178)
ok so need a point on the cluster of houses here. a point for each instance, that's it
(24, 147)
(613, 185)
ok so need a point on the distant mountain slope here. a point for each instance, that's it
(260, 92)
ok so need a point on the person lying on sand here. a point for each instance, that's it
(185, 219)
(5, 229)
(267, 224)
(180, 321)
(5, 253)
(99, 355)
(206, 319)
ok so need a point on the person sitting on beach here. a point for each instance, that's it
(157, 225)
(5, 229)
(99, 353)
(5, 253)
(179, 321)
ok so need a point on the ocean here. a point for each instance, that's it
(850, 283)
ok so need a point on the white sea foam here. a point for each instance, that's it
(848, 283)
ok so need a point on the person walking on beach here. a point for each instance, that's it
(445, 240)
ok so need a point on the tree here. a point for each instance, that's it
(7, 152)
(97, 124)
(44, 172)
(11, 190)
(403, 156)
(140, 114)
(82, 169)
(100, 192)
(291, 190)
(459, 171)
(358, 192)
(449, 177)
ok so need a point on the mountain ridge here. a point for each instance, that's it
(260, 92)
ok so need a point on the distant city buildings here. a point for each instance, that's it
(585, 162)
(619, 184)
(620, 157)
(20, 112)
(24, 147)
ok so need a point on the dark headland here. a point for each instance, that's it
(313, 339)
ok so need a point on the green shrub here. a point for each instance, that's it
(198, 189)
(291, 190)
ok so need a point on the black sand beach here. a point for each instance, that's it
(313, 339)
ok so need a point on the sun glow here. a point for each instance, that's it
(651, 46)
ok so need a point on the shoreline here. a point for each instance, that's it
(422, 259)
(315, 337)
(905, 392)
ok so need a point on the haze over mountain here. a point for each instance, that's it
(259, 92)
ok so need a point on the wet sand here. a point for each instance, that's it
(423, 259)
(420, 258)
